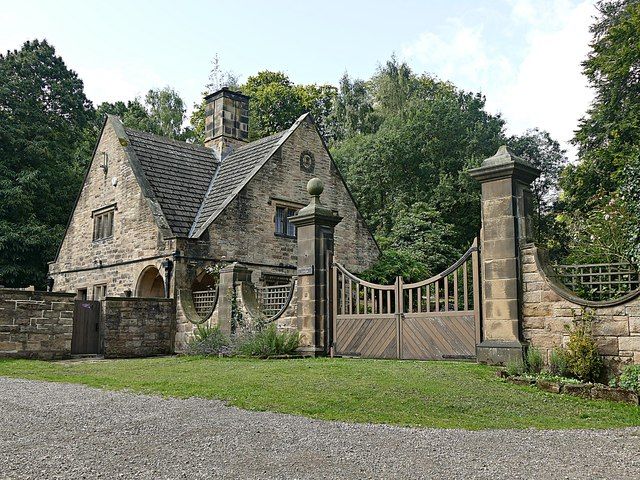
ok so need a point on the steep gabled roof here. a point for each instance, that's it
(235, 172)
(179, 174)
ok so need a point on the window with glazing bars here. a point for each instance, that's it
(103, 224)
(283, 226)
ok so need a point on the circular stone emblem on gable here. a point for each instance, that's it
(307, 162)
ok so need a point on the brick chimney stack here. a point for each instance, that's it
(226, 121)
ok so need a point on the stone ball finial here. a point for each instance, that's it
(315, 187)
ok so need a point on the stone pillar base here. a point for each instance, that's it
(496, 352)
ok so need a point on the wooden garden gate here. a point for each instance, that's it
(86, 328)
(438, 318)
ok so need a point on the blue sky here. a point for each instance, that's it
(524, 55)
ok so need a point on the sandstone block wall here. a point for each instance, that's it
(35, 324)
(137, 327)
(136, 242)
(546, 313)
(244, 231)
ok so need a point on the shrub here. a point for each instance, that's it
(558, 363)
(209, 341)
(630, 378)
(582, 352)
(515, 367)
(533, 361)
(269, 343)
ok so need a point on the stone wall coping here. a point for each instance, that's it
(136, 299)
(567, 294)
(37, 292)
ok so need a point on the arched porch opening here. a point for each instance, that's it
(204, 281)
(150, 283)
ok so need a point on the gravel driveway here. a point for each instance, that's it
(50, 430)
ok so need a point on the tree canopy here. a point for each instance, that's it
(603, 186)
(44, 115)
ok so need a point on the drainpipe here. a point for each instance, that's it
(167, 264)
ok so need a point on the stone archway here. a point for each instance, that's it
(204, 281)
(150, 283)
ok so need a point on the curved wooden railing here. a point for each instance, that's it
(356, 296)
(455, 289)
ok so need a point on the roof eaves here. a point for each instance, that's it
(138, 171)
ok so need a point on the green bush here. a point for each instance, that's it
(559, 364)
(630, 378)
(582, 351)
(533, 361)
(515, 368)
(269, 343)
(209, 341)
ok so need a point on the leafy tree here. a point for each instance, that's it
(609, 135)
(353, 111)
(44, 114)
(276, 103)
(166, 112)
(600, 203)
(409, 177)
(538, 148)
(162, 113)
(133, 114)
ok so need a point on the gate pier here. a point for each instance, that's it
(506, 226)
(315, 225)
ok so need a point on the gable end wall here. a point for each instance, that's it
(135, 232)
(244, 231)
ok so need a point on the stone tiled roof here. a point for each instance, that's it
(232, 174)
(179, 174)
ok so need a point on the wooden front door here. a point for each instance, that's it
(86, 327)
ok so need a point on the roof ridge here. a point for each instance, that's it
(180, 143)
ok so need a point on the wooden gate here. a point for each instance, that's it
(86, 327)
(437, 318)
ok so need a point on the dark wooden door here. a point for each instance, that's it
(86, 327)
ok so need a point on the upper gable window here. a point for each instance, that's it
(284, 227)
(103, 223)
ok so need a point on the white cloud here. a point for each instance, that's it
(460, 55)
(549, 90)
(536, 81)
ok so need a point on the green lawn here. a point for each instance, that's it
(427, 394)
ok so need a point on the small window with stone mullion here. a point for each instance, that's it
(284, 227)
(103, 225)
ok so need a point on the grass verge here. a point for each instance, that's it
(425, 394)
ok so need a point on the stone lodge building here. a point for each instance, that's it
(156, 216)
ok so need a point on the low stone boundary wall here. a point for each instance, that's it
(137, 327)
(35, 325)
(545, 313)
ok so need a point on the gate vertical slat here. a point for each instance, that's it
(334, 305)
(455, 290)
(446, 293)
(475, 265)
(410, 292)
(399, 315)
(465, 285)
(428, 287)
